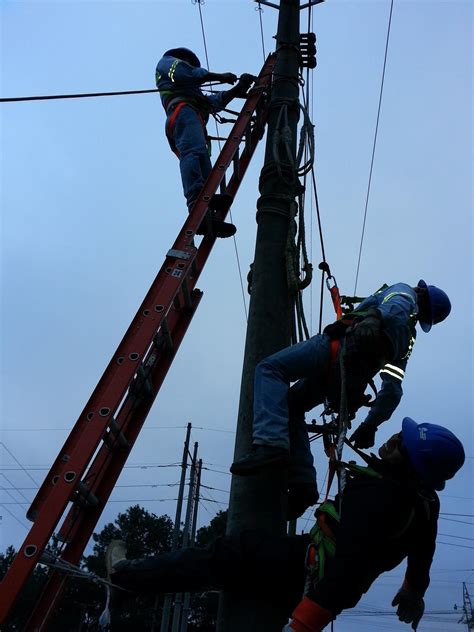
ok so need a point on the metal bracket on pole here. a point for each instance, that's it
(269, 4)
(311, 3)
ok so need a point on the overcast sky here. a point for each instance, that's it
(92, 200)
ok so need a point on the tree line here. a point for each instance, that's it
(83, 600)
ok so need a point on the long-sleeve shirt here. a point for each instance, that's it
(176, 78)
(383, 521)
(397, 306)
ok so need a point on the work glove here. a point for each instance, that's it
(410, 606)
(243, 85)
(228, 77)
(364, 436)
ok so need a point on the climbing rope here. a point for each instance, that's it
(239, 268)
(374, 146)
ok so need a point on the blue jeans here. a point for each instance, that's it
(194, 161)
(279, 411)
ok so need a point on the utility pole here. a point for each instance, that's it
(178, 602)
(468, 616)
(260, 501)
(187, 596)
(175, 536)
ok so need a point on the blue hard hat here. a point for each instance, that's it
(440, 305)
(434, 451)
(185, 54)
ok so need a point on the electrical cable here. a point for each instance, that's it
(75, 96)
(18, 462)
(15, 517)
(374, 145)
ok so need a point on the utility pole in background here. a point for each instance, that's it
(260, 501)
(187, 596)
(468, 616)
(175, 536)
(178, 602)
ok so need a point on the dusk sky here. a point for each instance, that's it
(92, 201)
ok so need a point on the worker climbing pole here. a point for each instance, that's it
(259, 502)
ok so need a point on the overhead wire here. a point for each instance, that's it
(373, 147)
(84, 95)
(239, 268)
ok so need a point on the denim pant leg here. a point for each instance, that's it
(194, 161)
(303, 397)
(304, 361)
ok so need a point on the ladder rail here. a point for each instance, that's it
(113, 389)
(105, 470)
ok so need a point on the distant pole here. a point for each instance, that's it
(260, 501)
(467, 608)
(187, 596)
(175, 536)
(178, 602)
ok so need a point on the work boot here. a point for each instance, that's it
(300, 497)
(260, 456)
(115, 553)
(220, 202)
(216, 228)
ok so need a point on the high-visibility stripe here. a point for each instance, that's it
(396, 369)
(392, 294)
(392, 372)
(172, 69)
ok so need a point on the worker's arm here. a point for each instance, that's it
(397, 313)
(422, 549)
(409, 598)
(222, 77)
(385, 403)
(220, 100)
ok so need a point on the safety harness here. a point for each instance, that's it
(324, 532)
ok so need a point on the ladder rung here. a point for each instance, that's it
(118, 434)
(187, 295)
(237, 165)
(165, 330)
(86, 496)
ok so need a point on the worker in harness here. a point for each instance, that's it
(378, 336)
(179, 77)
(389, 513)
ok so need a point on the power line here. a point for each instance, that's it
(18, 462)
(13, 516)
(85, 95)
(373, 148)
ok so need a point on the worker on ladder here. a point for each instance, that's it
(378, 336)
(179, 77)
(389, 512)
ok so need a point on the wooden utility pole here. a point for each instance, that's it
(260, 501)
(177, 523)
(187, 596)
(178, 602)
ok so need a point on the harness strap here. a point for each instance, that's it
(173, 109)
